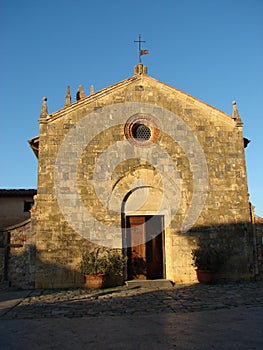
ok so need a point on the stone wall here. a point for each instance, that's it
(178, 116)
(3, 257)
(20, 263)
(258, 222)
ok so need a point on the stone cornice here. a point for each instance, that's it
(195, 101)
(183, 96)
(91, 98)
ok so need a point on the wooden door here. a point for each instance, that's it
(154, 247)
(137, 250)
(145, 252)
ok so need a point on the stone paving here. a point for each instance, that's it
(135, 301)
(184, 317)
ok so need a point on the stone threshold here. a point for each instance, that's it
(159, 283)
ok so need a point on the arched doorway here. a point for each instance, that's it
(144, 234)
(145, 258)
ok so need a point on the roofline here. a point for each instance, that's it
(195, 99)
(130, 80)
(34, 144)
(92, 97)
(17, 192)
(12, 227)
(77, 104)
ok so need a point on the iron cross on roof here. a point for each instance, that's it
(141, 52)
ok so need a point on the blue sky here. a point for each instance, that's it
(212, 50)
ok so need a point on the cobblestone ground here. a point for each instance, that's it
(184, 317)
(140, 301)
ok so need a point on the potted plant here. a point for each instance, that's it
(101, 266)
(94, 266)
(207, 261)
(116, 264)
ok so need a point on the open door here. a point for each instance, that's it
(145, 260)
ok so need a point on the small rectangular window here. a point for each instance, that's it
(28, 205)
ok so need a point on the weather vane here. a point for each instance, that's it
(141, 52)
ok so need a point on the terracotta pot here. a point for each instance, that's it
(204, 276)
(95, 281)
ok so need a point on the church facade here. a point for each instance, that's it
(144, 168)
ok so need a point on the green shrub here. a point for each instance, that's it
(100, 261)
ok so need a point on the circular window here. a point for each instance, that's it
(141, 129)
(141, 132)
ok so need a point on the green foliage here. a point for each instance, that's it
(100, 261)
(207, 258)
(116, 262)
(93, 262)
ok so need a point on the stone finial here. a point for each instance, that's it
(235, 114)
(80, 94)
(140, 69)
(68, 97)
(91, 89)
(44, 111)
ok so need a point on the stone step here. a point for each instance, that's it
(160, 283)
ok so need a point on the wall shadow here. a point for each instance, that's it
(238, 242)
(234, 247)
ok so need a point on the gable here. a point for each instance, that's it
(145, 89)
(138, 88)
